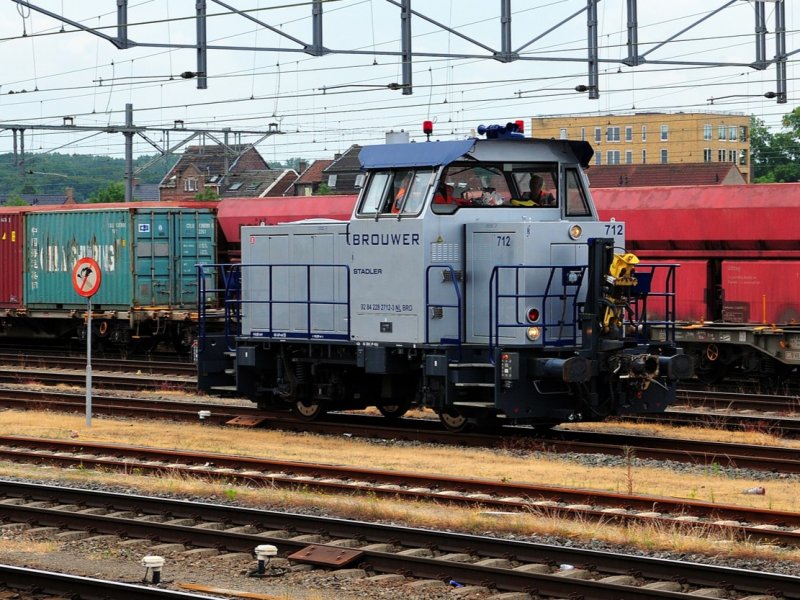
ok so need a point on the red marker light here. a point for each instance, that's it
(427, 127)
(520, 125)
(533, 315)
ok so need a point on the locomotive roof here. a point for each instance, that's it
(434, 154)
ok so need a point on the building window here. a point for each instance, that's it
(708, 130)
(664, 133)
(664, 156)
(190, 184)
(706, 154)
(732, 133)
(332, 180)
(720, 155)
(721, 129)
(563, 134)
(742, 133)
(598, 159)
(628, 157)
(612, 157)
(598, 133)
(612, 134)
(732, 156)
(628, 133)
(644, 157)
(583, 134)
(743, 157)
(644, 133)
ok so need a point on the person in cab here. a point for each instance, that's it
(537, 196)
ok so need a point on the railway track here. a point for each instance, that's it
(16, 580)
(766, 458)
(732, 521)
(500, 564)
(77, 361)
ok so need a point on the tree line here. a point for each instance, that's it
(91, 177)
(775, 157)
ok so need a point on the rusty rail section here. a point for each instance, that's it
(502, 564)
(741, 522)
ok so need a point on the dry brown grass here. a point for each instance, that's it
(495, 465)
(759, 435)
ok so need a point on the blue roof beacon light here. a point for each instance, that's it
(499, 132)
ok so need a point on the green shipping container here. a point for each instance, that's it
(147, 255)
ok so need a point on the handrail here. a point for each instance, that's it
(497, 294)
(429, 304)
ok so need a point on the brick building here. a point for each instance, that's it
(656, 138)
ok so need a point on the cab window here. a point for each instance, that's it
(401, 191)
(577, 199)
(375, 193)
(487, 185)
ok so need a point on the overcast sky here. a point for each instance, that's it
(325, 104)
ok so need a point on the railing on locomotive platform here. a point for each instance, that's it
(566, 298)
(430, 306)
(645, 295)
(234, 305)
(219, 287)
(564, 295)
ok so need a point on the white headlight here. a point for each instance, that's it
(575, 231)
(533, 333)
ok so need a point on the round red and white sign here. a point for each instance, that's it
(86, 277)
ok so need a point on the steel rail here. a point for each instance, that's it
(80, 588)
(445, 542)
(751, 523)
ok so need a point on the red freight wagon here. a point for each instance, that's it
(12, 244)
(235, 212)
(761, 291)
(717, 220)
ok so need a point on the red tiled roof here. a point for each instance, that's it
(609, 176)
(313, 174)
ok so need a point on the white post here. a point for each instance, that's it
(89, 363)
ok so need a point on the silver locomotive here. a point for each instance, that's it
(473, 278)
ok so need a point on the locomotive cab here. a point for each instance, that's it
(473, 278)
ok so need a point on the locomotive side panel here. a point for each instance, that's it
(387, 261)
(295, 281)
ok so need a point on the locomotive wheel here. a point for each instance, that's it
(309, 410)
(454, 420)
(394, 410)
(712, 352)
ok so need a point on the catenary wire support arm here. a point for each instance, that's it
(594, 70)
(553, 28)
(693, 25)
(121, 44)
(312, 48)
(504, 53)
